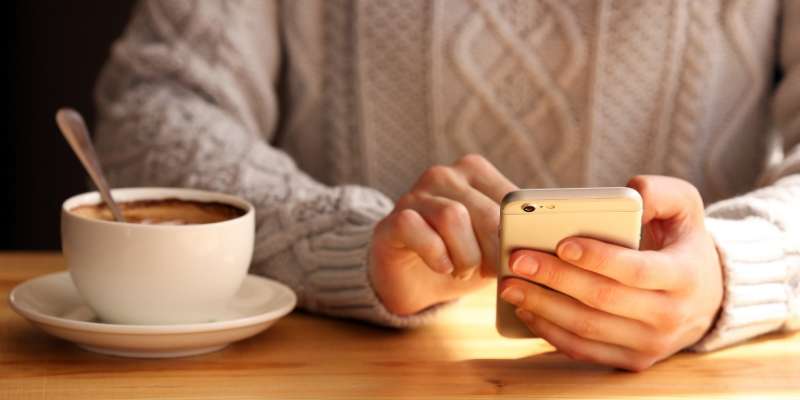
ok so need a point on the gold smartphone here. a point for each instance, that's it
(539, 219)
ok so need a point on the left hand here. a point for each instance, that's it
(621, 307)
(444, 227)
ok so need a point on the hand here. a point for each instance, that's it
(621, 307)
(439, 234)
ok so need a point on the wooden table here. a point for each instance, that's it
(304, 356)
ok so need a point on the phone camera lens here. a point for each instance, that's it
(528, 207)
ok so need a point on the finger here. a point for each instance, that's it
(438, 178)
(484, 189)
(594, 290)
(406, 229)
(452, 222)
(484, 176)
(665, 198)
(573, 316)
(477, 184)
(485, 216)
(644, 269)
(582, 349)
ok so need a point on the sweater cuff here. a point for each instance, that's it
(755, 269)
(335, 263)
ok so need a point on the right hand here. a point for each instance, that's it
(440, 233)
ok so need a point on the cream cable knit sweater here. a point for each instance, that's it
(321, 112)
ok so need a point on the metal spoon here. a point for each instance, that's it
(74, 130)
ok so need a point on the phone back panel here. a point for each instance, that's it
(610, 214)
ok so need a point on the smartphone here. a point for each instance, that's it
(539, 219)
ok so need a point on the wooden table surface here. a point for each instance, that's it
(303, 356)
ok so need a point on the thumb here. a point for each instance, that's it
(668, 198)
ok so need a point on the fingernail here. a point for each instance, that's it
(524, 315)
(512, 295)
(445, 265)
(525, 265)
(465, 275)
(571, 251)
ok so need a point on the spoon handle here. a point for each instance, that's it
(74, 130)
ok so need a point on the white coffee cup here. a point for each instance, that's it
(157, 274)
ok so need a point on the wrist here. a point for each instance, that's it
(391, 287)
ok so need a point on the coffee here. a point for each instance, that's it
(169, 211)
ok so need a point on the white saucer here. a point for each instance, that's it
(52, 303)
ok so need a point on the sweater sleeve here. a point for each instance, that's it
(758, 234)
(187, 99)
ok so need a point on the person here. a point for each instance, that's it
(377, 138)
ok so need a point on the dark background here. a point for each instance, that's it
(57, 48)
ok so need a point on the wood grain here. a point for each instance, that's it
(459, 356)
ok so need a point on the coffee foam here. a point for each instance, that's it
(164, 212)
